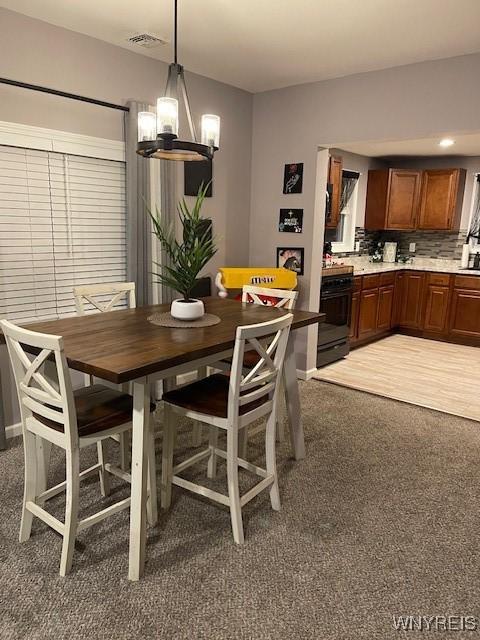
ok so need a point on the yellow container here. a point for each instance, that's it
(272, 278)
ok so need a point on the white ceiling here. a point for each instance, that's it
(465, 145)
(266, 44)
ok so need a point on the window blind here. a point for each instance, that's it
(62, 223)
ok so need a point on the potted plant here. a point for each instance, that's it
(187, 257)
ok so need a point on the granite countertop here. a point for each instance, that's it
(362, 266)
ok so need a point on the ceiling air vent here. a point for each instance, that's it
(146, 40)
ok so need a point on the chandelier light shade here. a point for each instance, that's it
(167, 116)
(210, 130)
(158, 132)
(147, 126)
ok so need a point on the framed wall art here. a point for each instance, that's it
(293, 178)
(291, 258)
(195, 174)
(290, 221)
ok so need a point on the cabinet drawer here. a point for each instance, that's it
(387, 278)
(438, 279)
(372, 281)
(467, 282)
(357, 283)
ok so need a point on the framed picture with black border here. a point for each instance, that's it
(290, 221)
(195, 174)
(293, 178)
(291, 258)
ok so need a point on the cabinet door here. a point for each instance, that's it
(398, 299)
(436, 309)
(403, 199)
(411, 311)
(465, 313)
(354, 311)
(367, 323)
(439, 198)
(335, 179)
(385, 306)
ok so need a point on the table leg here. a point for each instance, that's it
(292, 397)
(3, 438)
(138, 511)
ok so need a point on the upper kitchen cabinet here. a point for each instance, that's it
(393, 198)
(335, 182)
(442, 197)
(403, 199)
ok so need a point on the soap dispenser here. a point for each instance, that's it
(476, 261)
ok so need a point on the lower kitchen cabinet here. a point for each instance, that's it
(465, 313)
(431, 305)
(411, 300)
(354, 311)
(385, 307)
(367, 322)
(436, 308)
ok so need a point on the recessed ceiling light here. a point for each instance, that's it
(446, 142)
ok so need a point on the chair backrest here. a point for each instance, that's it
(284, 298)
(258, 387)
(110, 293)
(48, 398)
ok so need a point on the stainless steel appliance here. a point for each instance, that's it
(335, 302)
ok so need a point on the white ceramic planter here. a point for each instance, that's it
(187, 310)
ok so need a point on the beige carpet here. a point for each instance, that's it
(437, 375)
(380, 519)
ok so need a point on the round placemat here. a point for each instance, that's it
(167, 320)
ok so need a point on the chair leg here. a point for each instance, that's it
(71, 511)
(233, 488)
(124, 451)
(197, 426)
(167, 457)
(197, 434)
(281, 413)
(271, 460)
(30, 488)
(152, 507)
(243, 443)
(103, 475)
(212, 444)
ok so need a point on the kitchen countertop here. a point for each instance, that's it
(362, 266)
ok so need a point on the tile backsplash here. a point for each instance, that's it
(429, 244)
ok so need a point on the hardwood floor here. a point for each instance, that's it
(437, 375)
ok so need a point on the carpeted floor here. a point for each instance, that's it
(381, 519)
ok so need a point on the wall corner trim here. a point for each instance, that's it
(306, 375)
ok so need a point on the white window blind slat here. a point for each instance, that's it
(62, 223)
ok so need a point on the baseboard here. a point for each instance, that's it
(13, 430)
(306, 375)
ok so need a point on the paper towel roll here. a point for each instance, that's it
(465, 256)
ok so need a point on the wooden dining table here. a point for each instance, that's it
(123, 346)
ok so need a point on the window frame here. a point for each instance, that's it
(474, 243)
(348, 242)
(49, 141)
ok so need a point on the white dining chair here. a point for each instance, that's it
(103, 298)
(231, 403)
(282, 299)
(52, 411)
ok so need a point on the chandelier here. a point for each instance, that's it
(158, 132)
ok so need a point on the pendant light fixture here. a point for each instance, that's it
(158, 133)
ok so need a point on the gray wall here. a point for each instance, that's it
(40, 53)
(415, 101)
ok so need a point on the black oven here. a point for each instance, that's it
(336, 303)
